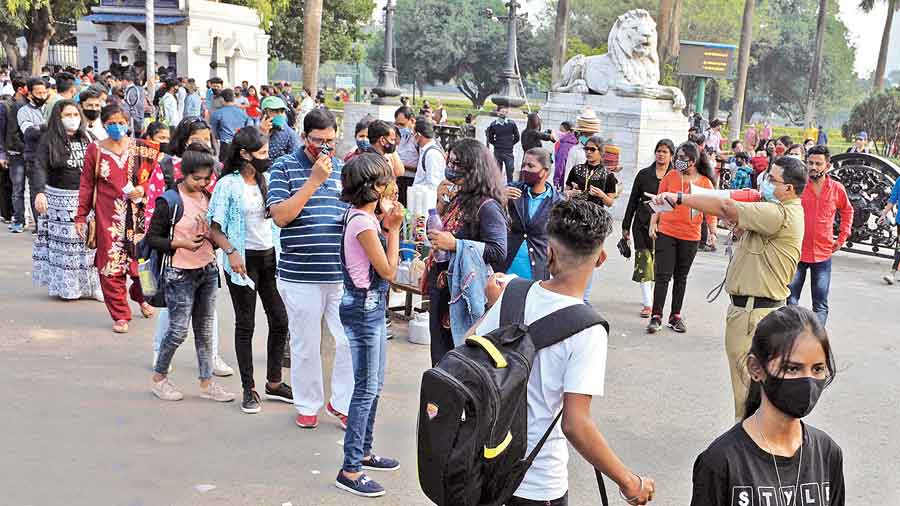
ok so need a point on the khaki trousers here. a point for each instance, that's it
(740, 325)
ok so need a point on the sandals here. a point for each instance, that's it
(147, 310)
(120, 327)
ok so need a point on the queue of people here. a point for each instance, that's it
(317, 239)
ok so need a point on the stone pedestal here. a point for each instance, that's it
(355, 111)
(633, 124)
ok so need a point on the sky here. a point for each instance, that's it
(865, 29)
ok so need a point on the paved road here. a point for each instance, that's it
(80, 426)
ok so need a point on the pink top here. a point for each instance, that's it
(357, 262)
(186, 228)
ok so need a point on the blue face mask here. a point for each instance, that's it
(279, 121)
(405, 131)
(116, 131)
(363, 144)
(452, 175)
(767, 189)
(582, 139)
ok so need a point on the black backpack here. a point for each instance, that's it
(472, 421)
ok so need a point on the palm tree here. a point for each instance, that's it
(743, 68)
(312, 31)
(559, 40)
(813, 88)
(867, 6)
(668, 23)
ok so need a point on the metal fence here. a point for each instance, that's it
(57, 54)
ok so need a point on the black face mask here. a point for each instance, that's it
(261, 164)
(163, 147)
(38, 102)
(91, 114)
(390, 148)
(795, 397)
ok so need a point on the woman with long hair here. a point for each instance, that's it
(636, 224)
(253, 109)
(592, 179)
(677, 235)
(567, 140)
(107, 188)
(771, 454)
(62, 262)
(165, 176)
(237, 209)
(477, 212)
(533, 136)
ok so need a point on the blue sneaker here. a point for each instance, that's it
(362, 486)
(376, 463)
(17, 228)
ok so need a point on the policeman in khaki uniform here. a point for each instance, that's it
(764, 261)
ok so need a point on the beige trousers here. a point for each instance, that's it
(740, 325)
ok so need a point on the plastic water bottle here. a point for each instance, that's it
(434, 224)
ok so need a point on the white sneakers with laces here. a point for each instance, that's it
(166, 391)
(220, 368)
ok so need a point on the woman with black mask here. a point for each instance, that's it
(636, 224)
(772, 457)
(238, 210)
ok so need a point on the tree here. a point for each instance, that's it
(36, 19)
(560, 38)
(813, 89)
(743, 68)
(344, 20)
(879, 116)
(893, 5)
(312, 31)
(668, 23)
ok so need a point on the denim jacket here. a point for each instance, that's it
(226, 207)
(467, 275)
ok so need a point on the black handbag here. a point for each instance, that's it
(624, 248)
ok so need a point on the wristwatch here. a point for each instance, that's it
(230, 251)
(679, 199)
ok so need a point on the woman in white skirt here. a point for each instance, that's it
(62, 263)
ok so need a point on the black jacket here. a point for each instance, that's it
(638, 210)
(14, 141)
(503, 137)
(532, 230)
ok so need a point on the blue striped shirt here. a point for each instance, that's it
(311, 244)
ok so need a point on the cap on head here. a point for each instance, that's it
(273, 102)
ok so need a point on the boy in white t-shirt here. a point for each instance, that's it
(568, 374)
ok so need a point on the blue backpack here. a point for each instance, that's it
(152, 263)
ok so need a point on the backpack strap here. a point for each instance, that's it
(563, 324)
(176, 206)
(512, 308)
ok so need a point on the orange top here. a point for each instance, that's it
(678, 223)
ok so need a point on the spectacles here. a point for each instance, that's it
(590, 149)
(319, 141)
(772, 179)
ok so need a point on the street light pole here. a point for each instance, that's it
(150, 41)
(510, 94)
(387, 89)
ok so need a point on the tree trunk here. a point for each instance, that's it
(668, 23)
(559, 41)
(812, 93)
(38, 37)
(743, 68)
(878, 81)
(714, 99)
(312, 31)
(12, 54)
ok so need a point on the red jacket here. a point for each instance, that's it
(818, 213)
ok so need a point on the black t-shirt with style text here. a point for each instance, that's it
(735, 471)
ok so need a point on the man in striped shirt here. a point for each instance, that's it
(304, 200)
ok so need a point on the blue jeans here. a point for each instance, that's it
(820, 283)
(162, 326)
(191, 297)
(362, 314)
(17, 175)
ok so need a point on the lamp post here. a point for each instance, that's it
(387, 89)
(510, 94)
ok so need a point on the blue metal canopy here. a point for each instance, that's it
(133, 18)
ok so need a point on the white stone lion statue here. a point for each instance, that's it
(629, 69)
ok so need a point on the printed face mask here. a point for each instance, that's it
(681, 165)
(363, 144)
(795, 397)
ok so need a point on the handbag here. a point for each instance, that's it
(90, 240)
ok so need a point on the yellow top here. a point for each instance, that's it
(766, 257)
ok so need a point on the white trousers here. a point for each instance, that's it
(306, 305)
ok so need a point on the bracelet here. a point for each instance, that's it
(633, 499)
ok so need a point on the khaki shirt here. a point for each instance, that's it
(766, 257)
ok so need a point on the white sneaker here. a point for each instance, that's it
(220, 368)
(215, 392)
(166, 391)
(890, 277)
(153, 364)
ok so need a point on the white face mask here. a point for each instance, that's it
(71, 124)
